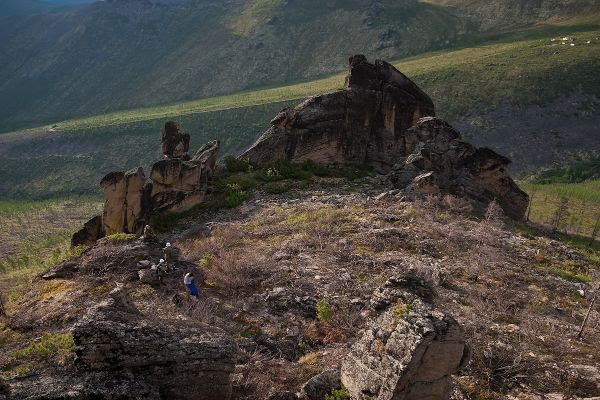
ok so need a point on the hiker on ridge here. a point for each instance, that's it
(188, 281)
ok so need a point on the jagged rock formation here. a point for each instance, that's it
(362, 124)
(384, 120)
(179, 360)
(438, 161)
(91, 231)
(126, 207)
(174, 143)
(176, 183)
(407, 353)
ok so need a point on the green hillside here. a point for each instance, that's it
(111, 56)
(529, 68)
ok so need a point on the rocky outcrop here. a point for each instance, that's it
(126, 207)
(407, 353)
(362, 124)
(181, 359)
(90, 233)
(439, 161)
(174, 143)
(177, 183)
(382, 119)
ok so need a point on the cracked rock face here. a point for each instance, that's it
(178, 185)
(408, 353)
(126, 205)
(362, 124)
(438, 161)
(181, 360)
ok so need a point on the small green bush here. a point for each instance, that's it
(235, 195)
(324, 310)
(277, 187)
(234, 164)
(120, 237)
(207, 261)
(338, 394)
(402, 310)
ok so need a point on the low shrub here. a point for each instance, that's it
(324, 310)
(233, 164)
(277, 187)
(120, 237)
(401, 310)
(338, 394)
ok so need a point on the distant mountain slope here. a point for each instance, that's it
(123, 54)
(534, 99)
(21, 7)
(18, 7)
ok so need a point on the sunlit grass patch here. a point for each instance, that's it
(50, 344)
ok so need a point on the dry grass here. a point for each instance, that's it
(520, 315)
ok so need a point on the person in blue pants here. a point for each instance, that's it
(188, 280)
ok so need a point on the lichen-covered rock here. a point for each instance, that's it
(408, 353)
(148, 276)
(439, 161)
(126, 206)
(362, 124)
(182, 359)
(174, 143)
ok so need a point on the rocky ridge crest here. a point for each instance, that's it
(384, 120)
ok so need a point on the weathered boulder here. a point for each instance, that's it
(127, 205)
(362, 124)
(174, 143)
(91, 231)
(63, 270)
(439, 161)
(178, 185)
(319, 386)
(182, 359)
(148, 276)
(407, 353)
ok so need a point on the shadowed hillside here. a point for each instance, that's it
(123, 54)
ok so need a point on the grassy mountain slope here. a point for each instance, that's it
(125, 54)
(469, 86)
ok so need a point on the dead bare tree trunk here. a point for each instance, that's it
(560, 213)
(587, 316)
(529, 206)
(2, 312)
(595, 232)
